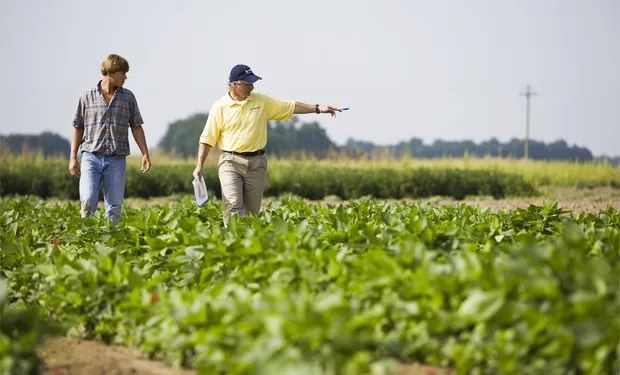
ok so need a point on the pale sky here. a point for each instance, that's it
(448, 70)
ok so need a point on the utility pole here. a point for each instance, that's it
(528, 93)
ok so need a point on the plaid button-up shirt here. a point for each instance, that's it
(106, 126)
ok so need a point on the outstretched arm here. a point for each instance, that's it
(301, 108)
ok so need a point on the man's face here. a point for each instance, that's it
(118, 78)
(242, 89)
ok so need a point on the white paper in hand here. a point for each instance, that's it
(200, 191)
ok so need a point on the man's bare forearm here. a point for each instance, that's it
(301, 108)
(203, 151)
(76, 141)
(140, 138)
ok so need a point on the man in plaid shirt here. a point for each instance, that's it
(104, 115)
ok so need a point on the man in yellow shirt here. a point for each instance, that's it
(237, 125)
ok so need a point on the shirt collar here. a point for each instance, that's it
(230, 102)
(98, 89)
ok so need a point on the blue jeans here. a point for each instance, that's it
(111, 171)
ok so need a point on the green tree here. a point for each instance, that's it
(47, 142)
(289, 138)
(182, 136)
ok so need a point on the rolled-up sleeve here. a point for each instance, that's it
(135, 118)
(78, 119)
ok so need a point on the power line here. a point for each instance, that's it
(528, 93)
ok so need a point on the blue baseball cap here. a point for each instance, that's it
(242, 73)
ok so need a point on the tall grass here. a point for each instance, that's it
(536, 172)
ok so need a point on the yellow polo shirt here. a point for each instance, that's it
(241, 126)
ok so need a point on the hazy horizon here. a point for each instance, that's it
(443, 70)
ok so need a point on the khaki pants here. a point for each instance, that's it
(243, 181)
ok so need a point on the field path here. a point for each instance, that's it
(70, 356)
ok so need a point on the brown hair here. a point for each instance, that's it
(114, 63)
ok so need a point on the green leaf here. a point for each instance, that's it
(481, 305)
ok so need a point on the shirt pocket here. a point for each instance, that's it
(121, 116)
(92, 115)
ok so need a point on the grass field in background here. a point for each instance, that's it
(537, 172)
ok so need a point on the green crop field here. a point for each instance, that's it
(318, 289)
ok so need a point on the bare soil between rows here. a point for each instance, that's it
(71, 356)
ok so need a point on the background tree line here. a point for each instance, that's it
(50, 144)
(294, 138)
(557, 150)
